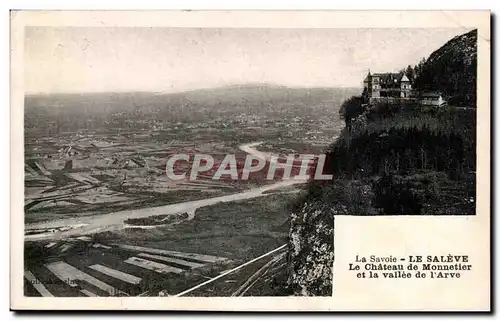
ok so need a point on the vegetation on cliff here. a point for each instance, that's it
(452, 69)
(392, 159)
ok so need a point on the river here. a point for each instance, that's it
(81, 225)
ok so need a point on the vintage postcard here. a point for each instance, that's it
(250, 160)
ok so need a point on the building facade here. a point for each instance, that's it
(385, 86)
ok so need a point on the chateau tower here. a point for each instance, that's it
(405, 87)
(367, 85)
(375, 86)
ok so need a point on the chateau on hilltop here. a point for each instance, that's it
(394, 88)
(384, 86)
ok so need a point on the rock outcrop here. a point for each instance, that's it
(311, 250)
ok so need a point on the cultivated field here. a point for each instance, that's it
(101, 158)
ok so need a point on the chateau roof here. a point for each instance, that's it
(368, 77)
(386, 74)
(389, 77)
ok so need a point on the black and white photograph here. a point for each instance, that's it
(216, 161)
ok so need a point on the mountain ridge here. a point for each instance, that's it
(452, 69)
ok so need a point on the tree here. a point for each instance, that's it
(351, 108)
(416, 72)
(410, 73)
(396, 196)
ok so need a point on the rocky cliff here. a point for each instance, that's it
(311, 250)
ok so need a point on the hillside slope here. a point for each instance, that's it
(452, 69)
(392, 160)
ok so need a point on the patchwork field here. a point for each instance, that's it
(78, 267)
(101, 216)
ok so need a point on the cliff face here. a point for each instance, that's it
(452, 69)
(366, 148)
(311, 250)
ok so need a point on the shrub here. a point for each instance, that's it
(395, 194)
(351, 108)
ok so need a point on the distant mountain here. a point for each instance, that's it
(70, 112)
(236, 96)
(452, 69)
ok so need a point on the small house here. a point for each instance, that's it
(432, 98)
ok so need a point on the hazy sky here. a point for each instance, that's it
(177, 59)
